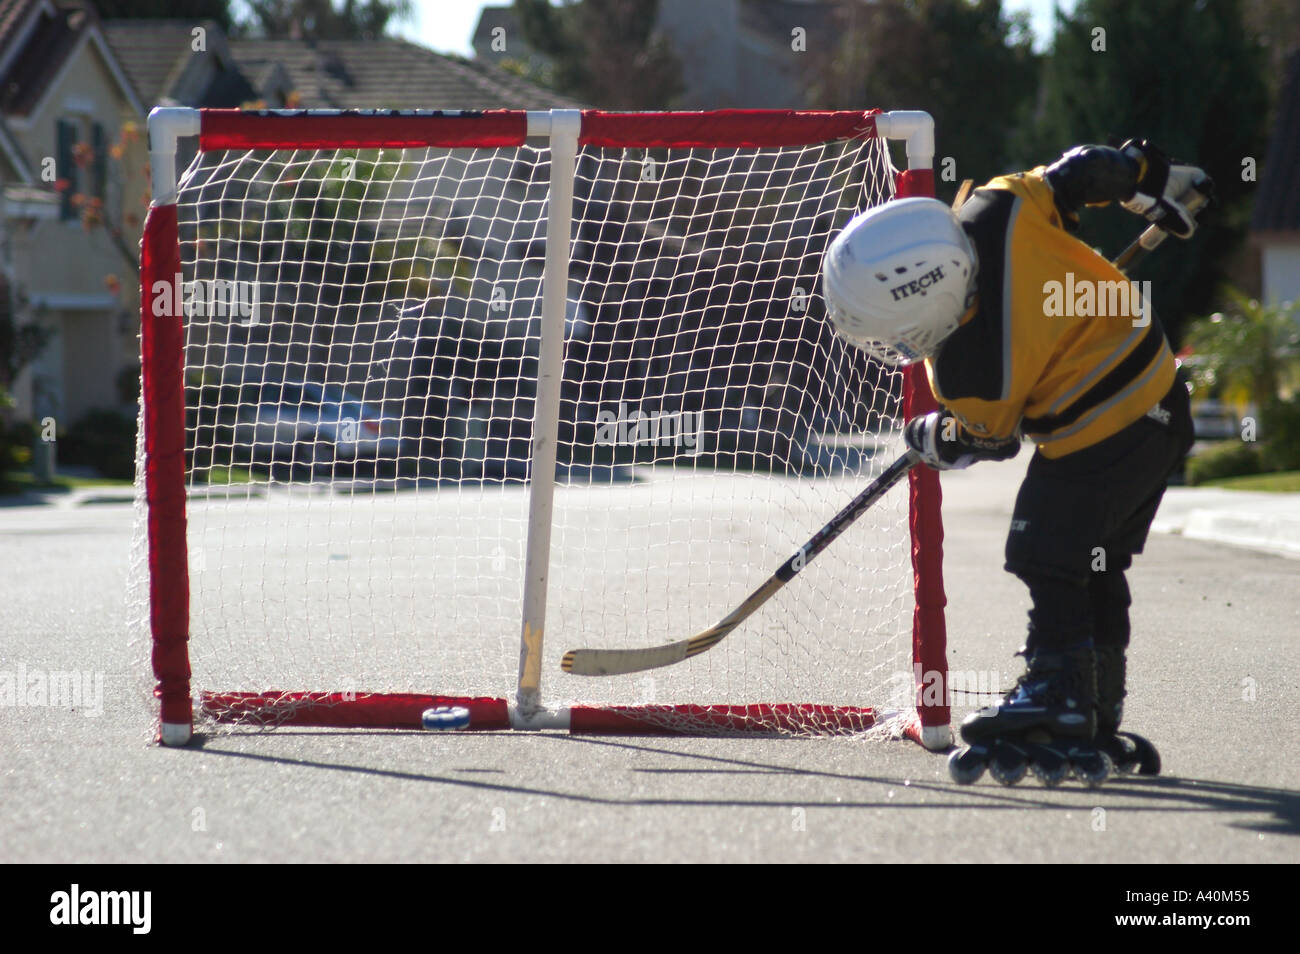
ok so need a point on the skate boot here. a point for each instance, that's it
(1130, 752)
(1045, 724)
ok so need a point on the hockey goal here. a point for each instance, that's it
(429, 398)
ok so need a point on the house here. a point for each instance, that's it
(180, 63)
(193, 63)
(73, 185)
(733, 53)
(457, 215)
(433, 345)
(75, 92)
(383, 73)
(1275, 224)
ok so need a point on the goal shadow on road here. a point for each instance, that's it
(1160, 794)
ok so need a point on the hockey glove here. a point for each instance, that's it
(942, 443)
(1161, 184)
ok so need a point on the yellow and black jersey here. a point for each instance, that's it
(1057, 346)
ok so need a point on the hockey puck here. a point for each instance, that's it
(444, 718)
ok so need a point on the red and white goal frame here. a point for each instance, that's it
(163, 458)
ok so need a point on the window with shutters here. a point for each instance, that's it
(81, 163)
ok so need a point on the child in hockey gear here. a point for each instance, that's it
(1093, 387)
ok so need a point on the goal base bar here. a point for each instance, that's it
(343, 710)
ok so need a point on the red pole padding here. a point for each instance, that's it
(162, 351)
(346, 710)
(361, 129)
(929, 631)
(783, 718)
(723, 128)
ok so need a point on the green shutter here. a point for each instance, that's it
(64, 165)
(99, 170)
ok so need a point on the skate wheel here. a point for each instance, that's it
(966, 766)
(1122, 753)
(1145, 756)
(1091, 767)
(445, 718)
(1049, 767)
(1008, 766)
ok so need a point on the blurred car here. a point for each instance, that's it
(312, 424)
(1214, 421)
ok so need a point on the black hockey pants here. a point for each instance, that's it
(1079, 519)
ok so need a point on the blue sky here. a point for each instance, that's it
(447, 25)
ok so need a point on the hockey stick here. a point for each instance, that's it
(617, 662)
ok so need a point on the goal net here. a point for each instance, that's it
(431, 398)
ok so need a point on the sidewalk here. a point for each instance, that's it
(1259, 521)
(69, 499)
(60, 499)
(1266, 522)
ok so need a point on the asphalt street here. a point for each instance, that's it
(1215, 683)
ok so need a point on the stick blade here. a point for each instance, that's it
(617, 662)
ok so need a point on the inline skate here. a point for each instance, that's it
(1046, 725)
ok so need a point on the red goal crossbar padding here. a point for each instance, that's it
(361, 129)
(724, 128)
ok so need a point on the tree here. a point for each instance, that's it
(965, 62)
(323, 19)
(1251, 351)
(218, 10)
(1277, 25)
(604, 52)
(1190, 78)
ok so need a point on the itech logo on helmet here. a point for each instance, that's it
(917, 285)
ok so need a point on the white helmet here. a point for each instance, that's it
(897, 279)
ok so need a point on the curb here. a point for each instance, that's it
(1268, 523)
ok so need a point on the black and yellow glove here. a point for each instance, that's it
(1161, 186)
(939, 439)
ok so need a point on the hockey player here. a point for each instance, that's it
(979, 296)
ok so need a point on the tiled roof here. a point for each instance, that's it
(42, 55)
(388, 74)
(16, 158)
(12, 15)
(1277, 201)
(151, 52)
